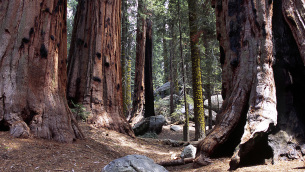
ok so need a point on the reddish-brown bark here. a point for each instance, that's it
(137, 112)
(33, 55)
(94, 71)
(245, 36)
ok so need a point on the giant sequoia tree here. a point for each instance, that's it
(138, 98)
(262, 57)
(94, 71)
(33, 55)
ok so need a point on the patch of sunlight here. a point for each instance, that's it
(141, 148)
(10, 146)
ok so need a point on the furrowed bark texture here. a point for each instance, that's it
(138, 99)
(94, 71)
(245, 35)
(33, 78)
(293, 11)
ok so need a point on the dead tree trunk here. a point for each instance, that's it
(33, 55)
(149, 90)
(94, 71)
(253, 44)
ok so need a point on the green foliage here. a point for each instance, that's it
(178, 114)
(80, 111)
(162, 106)
(165, 17)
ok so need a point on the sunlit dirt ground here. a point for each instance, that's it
(101, 147)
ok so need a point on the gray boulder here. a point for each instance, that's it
(164, 87)
(150, 124)
(133, 163)
(175, 128)
(189, 152)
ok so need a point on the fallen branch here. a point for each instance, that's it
(176, 162)
(174, 143)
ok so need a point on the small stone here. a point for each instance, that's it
(189, 152)
(176, 128)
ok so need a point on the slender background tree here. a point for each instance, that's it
(196, 73)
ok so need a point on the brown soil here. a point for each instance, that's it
(101, 147)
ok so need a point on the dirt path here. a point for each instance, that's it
(174, 135)
(101, 147)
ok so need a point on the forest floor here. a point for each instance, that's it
(101, 147)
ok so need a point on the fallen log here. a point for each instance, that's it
(177, 162)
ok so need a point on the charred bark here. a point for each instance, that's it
(33, 55)
(149, 90)
(289, 79)
(245, 36)
(256, 38)
(94, 71)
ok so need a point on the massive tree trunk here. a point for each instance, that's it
(33, 55)
(138, 99)
(149, 90)
(196, 73)
(94, 71)
(250, 38)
